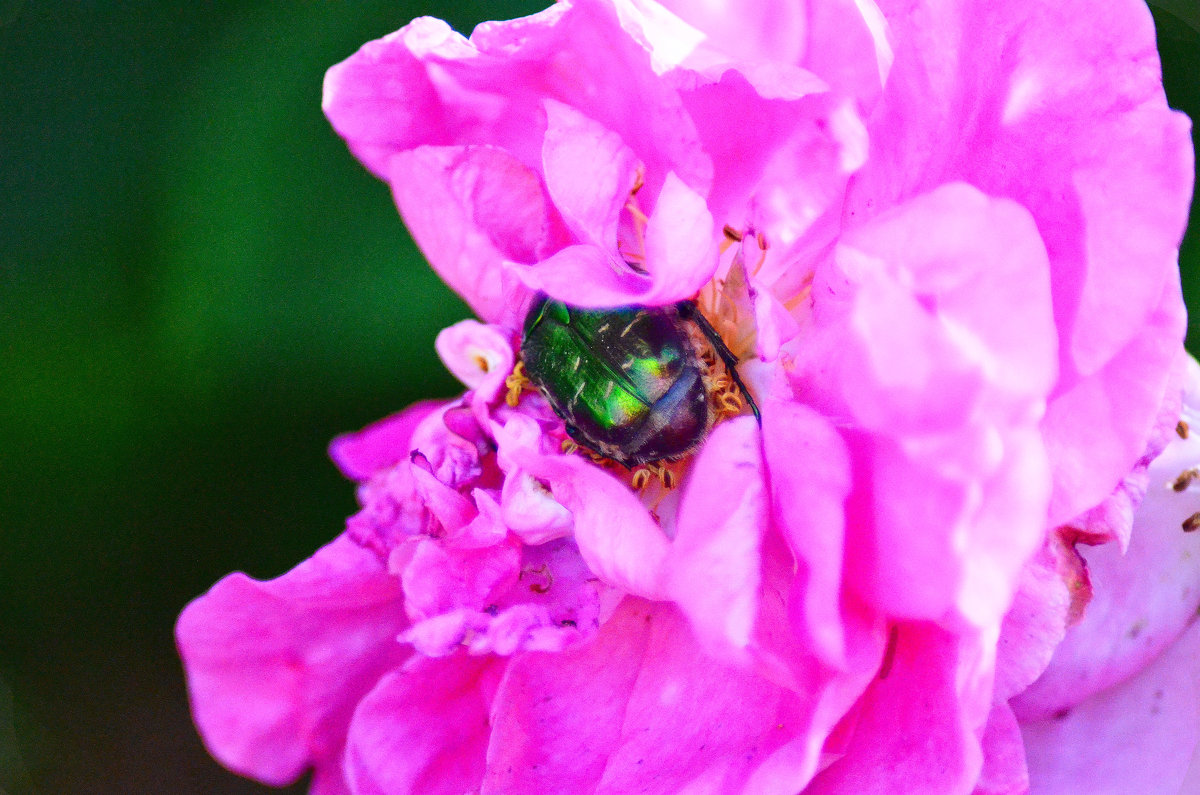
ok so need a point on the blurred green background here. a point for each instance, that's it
(199, 287)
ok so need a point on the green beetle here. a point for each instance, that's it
(628, 382)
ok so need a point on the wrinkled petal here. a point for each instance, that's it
(1023, 107)
(915, 342)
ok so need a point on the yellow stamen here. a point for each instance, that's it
(517, 382)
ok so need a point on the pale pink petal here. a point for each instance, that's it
(1052, 594)
(1137, 736)
(478, 355)
(423, 729)
(275, 668)
(531, 512)
(712, 571)
(1142, 599)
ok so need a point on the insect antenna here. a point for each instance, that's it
(689, 311)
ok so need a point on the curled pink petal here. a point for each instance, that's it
(480, 356)
(380, 445)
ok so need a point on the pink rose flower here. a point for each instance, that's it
(942, 240)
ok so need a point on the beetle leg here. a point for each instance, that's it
(688, 311)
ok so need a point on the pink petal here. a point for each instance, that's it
(751, 31)
(451, 509)
(617, 537)
(713, 567)
(470, 209)
(1138, 736)
(810, 479)
(531, 512)
(919, 721)
(1004, 771)
(1070, 120)
(681, 252)
(381, 444)
(438, 579)
(914, 341)
(643, 709)
(275, 668)
(589, 173)
(423, 729)
(681, 256)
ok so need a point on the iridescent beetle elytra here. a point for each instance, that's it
(627, 382)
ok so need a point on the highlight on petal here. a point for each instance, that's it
(589, 173)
